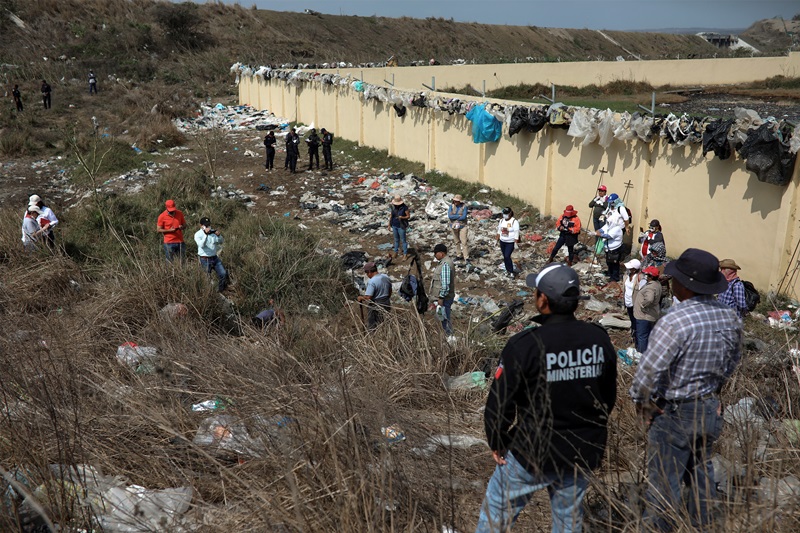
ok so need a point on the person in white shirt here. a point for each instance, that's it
(507, 235)
(47, 219)
(612, 234)
(616, 213)
(209, 241)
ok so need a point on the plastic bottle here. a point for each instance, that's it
(440, 314)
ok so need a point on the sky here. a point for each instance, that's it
(597, 14)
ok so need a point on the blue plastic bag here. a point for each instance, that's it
(485, 128)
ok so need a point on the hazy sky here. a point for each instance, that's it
(597, 14)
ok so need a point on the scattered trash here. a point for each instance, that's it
(596, 305)
(792, 429)
(630, 356)
(468, 381)
(612, 320)
(226, 432)
(393, 434)
(134, 355)
(434, 442)
(313, 308)
(782, 492)
(217, 404)
(174, 310)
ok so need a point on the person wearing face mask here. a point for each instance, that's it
(507, 235)
(653, 249)
(616, 213)
(457, 213)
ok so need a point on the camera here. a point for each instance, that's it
(212, 230)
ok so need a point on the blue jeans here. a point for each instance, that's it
(400, 237)
(446, 324)
(679, 449)
(643, 329)
(507, 248)
(511, 488)
(174, 248)
(213, 263)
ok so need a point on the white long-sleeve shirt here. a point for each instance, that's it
(613, 235)
(207, 243)
(508, 230)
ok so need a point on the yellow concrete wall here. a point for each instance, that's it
(700, 201)
(727, 71)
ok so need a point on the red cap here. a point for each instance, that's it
(170, 205)
(651, 271)
(602, 188)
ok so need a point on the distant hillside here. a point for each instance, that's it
(177, 43)
(774, 36)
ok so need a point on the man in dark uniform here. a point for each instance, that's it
(313, 148)
(547, 412)
(327, 142)
(17, 97)
(46, 94)
(269, 142)
(293, 149)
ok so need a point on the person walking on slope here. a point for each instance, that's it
(171, 224)
(443, 286)
(269, 144)
(507, 235)
(92, 83)
(313, 149)
(46, 94)
(209, 241)
(598, 206)
(327, 143)
(17, 97)
(569, 227)
(457, 214)
(399, 215)
(693, 351)
(378, 296)
(548, 407)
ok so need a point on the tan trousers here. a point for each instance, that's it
(460, 236)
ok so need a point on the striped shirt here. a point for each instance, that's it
(445, 280)
(692, 352)
(734, 298)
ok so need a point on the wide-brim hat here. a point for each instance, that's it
(729, 263)
(569, 211)
(34, 199)
(457, 198)
(397, 200)
(698, 271)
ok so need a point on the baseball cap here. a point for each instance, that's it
(651, 271)
(633, 264)
(34, 208)
(170, 204)
(205, 221)
(440, 248)
(602, 188)
(370, 267)
(556, 281)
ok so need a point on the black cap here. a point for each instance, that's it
(556, 281)
(655, 223)
(205, 221)
(440, 248)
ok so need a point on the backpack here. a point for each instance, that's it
(751, 296)
(408, 289)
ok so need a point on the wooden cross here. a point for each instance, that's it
(628, 186)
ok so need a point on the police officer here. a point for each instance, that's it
(547, 411)
(269, 143)
(313, 148)
(293, 149)
(46, 90)
(327, 142)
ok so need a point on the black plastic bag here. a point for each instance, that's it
(767, 156)
(715, 138)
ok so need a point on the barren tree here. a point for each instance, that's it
(90, 154)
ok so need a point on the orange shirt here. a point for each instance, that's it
(172, 220)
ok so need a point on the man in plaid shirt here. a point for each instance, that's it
(692, 353)
(733, 296)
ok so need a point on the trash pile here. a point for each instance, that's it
(233, 118)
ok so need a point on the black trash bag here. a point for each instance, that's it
(422, 297)
(519, 119)
(536, 120)
(715, 138)
(354, 259)
(400, 110)
(767, 156)
(501, 322)
(418, 101)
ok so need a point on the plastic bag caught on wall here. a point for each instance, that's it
(583, 126)
(606, 128)
(767, 156)
(485, 127)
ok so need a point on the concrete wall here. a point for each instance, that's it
(701, 201)
(728, 71)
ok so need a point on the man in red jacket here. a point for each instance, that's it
(548, 408)
(171, 224)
